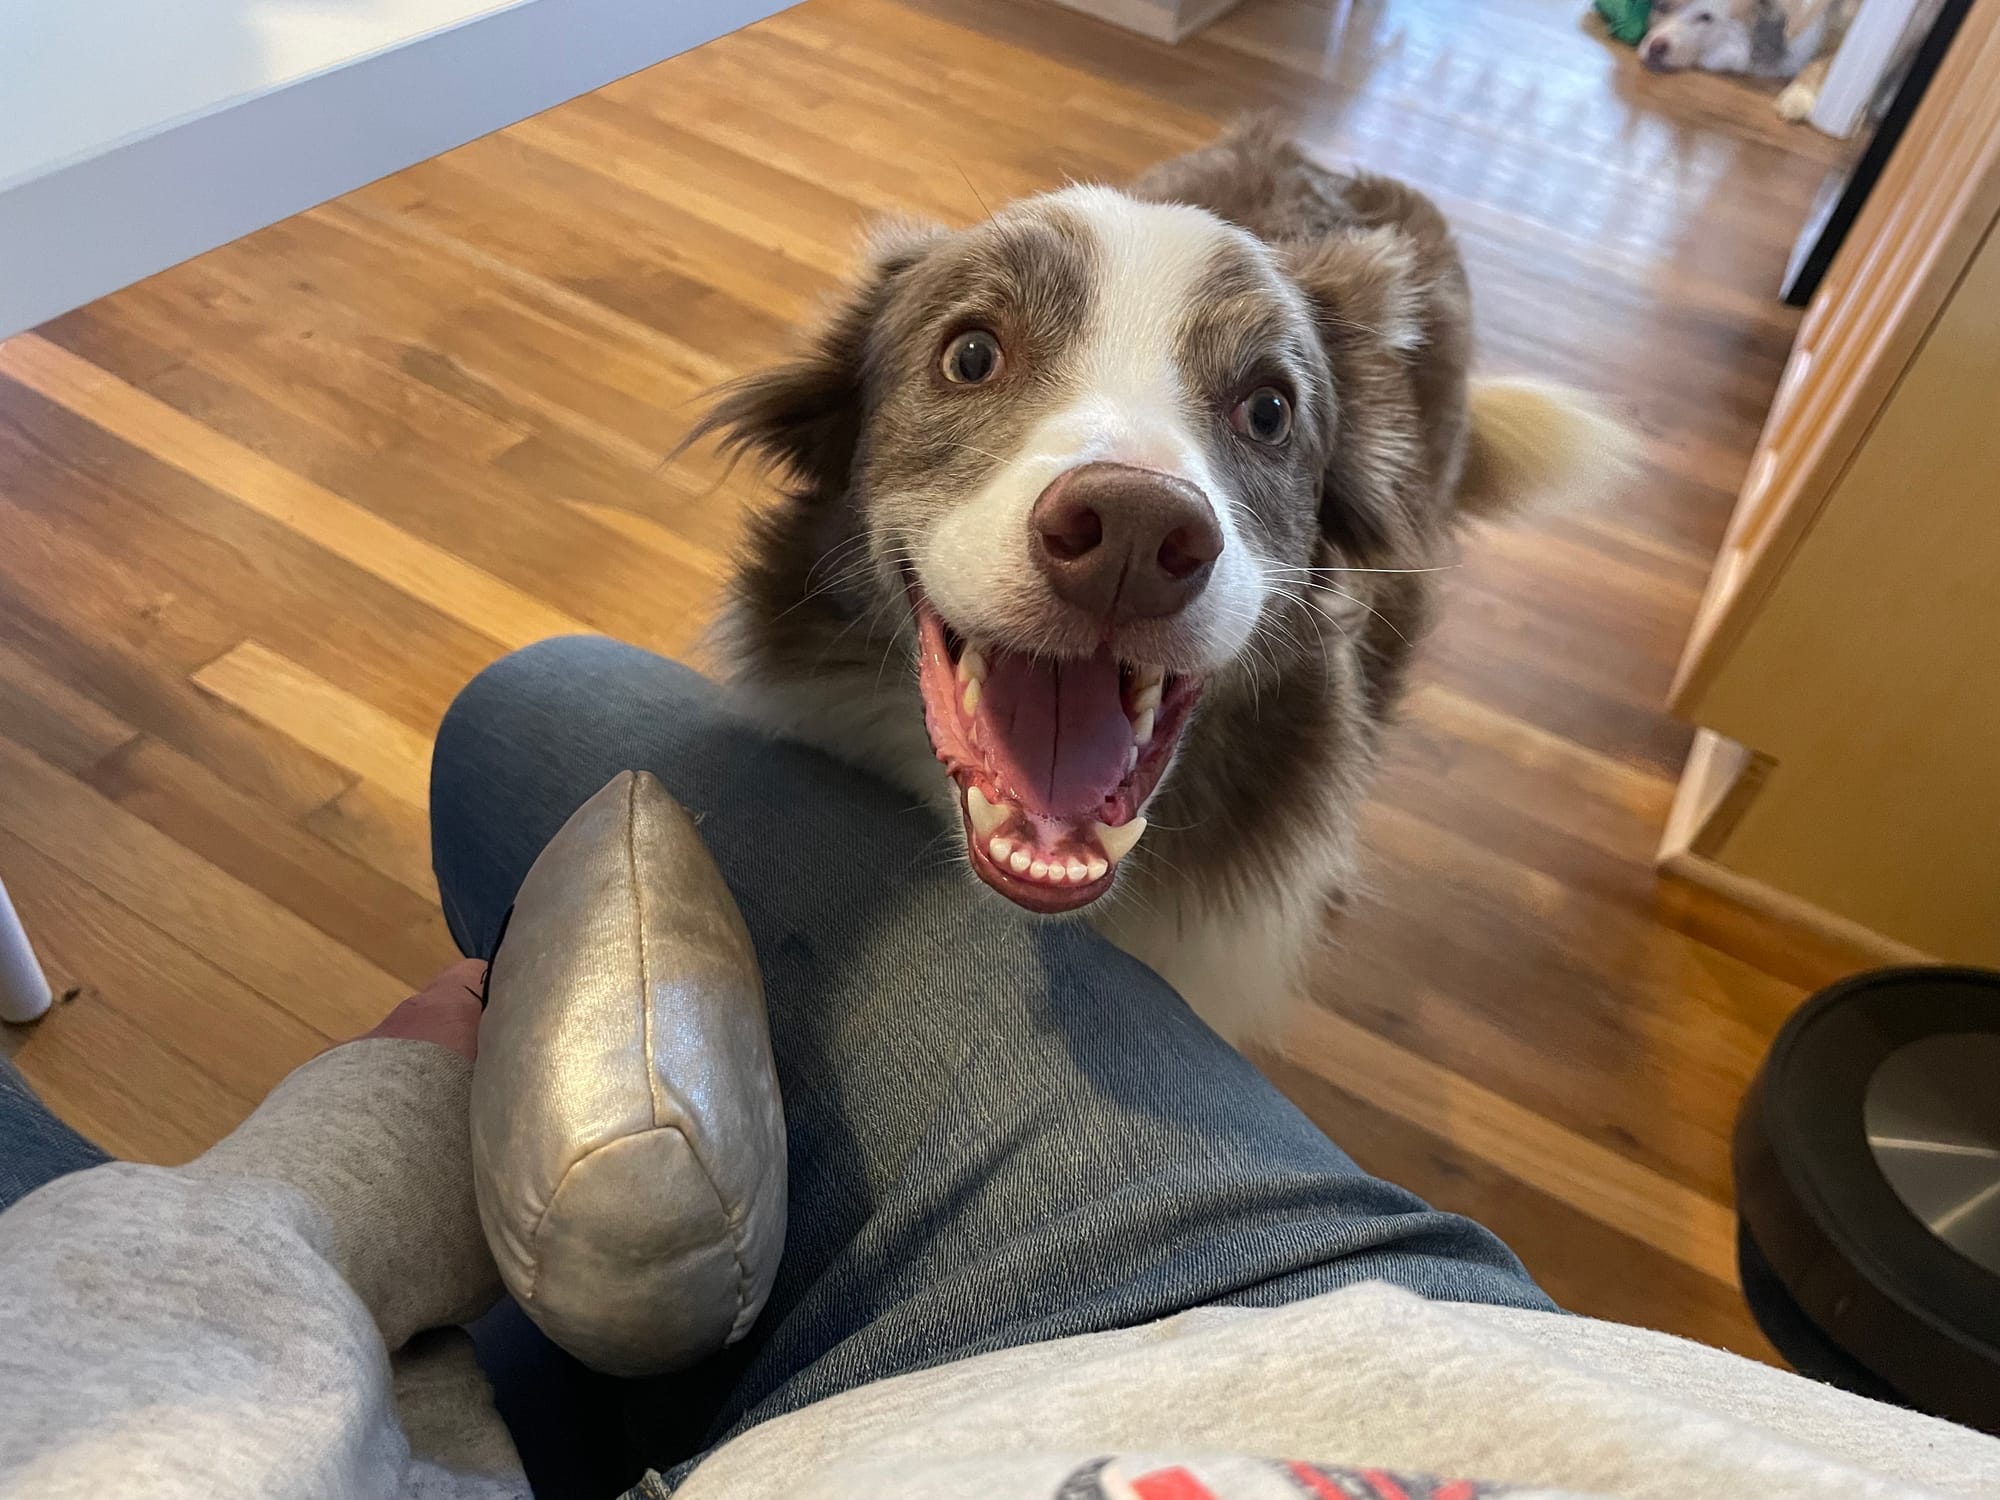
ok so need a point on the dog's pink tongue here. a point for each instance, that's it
(1055, 732)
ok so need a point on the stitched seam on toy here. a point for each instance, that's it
(733, 1220)
(646, 1037)
(645, 958)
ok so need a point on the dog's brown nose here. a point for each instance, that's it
(1125, 543)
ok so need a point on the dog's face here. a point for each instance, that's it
(1083, 449)
(1097, 440)
(1713, 34)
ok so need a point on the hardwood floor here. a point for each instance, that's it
(262, 515)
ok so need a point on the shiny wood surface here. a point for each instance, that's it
(262, 515)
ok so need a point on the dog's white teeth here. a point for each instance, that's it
(1059, 870)
(986, 817)
(971, 665)
(1117, 842)
(1146, 700)
(1142, 728)
(973, 689)
(1150, 679)
(1131, 759)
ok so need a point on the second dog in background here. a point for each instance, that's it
(1794, 39)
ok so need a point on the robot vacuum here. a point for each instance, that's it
(1867, 1159)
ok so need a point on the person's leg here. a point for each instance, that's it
(35, 1147)
(1001, 1130)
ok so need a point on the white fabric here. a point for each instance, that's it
(224, 1329)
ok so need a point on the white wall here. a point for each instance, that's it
(136, 133)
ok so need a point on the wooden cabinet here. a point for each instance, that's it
(1845, 664)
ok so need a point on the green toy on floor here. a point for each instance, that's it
(1626, 18)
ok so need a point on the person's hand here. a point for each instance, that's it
(445, 1011)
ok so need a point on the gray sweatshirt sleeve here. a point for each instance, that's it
(226, 1328)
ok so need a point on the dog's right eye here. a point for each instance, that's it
(971, 358)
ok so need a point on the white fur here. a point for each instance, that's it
(1242, 969)
(1128, 405)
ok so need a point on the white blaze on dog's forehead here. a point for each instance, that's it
(1149, 260)
(1126, 400)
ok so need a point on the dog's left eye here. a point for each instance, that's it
(972, 358)
(1263, 416)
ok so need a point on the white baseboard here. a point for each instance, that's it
(1162, 20)
(78, 221)
(1858, 67)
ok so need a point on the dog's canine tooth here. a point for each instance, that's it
(1131, 759)
(1142, 728)
(1150, 679)
(973, 688)
(986, 817)
(971, 665)
(1147, 699)
(1117, 842)
(1097, 869)
(1020, 859)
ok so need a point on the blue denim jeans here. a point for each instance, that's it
(35, 1147)
(1002, 1130)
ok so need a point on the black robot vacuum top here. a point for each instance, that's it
(1868, 1181)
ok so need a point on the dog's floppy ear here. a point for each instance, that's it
(1368, 297)
(805, 416)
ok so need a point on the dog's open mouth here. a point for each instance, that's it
(1052, 759)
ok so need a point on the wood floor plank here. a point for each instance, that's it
(187, 542)
(1567, 1251)
(386, 922)
(1690, 1227)
(385, 833)
(311, 710)
(266, 948)
(104, 955)
(480, 601)
(86, 1061)
(43, 713)
(124, 640)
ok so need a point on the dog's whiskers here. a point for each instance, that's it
(1357, 599)
(1295, 568)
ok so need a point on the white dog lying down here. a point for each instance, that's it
(1793, 39)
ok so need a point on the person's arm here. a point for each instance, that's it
(225, 1328)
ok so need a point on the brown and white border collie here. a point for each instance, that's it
(1119, 505)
